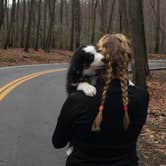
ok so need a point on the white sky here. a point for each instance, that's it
(10, 1)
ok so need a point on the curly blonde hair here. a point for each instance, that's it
(117, 51)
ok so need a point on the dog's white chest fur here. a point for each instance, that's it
(89, 88)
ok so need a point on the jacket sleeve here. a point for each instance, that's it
(143, 108)
(63, 129)
(140, 114)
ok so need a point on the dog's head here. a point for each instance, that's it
(87, 60)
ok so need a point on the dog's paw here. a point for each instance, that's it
(88, 89)
(69, 150)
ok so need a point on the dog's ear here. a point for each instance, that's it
(77, 62)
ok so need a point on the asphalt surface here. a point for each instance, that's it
(28, 116)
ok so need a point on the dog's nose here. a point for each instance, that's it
(103, 60)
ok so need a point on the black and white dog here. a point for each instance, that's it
(82, 70)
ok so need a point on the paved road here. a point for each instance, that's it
(28, 115)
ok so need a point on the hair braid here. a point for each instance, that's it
(117, 51)
(99, 117)
(124, 88)
(123, 76)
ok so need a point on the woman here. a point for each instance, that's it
(104, 129)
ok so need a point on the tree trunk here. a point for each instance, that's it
(89, 16)
(16, 40)
(163, 32)
(120, 21)
(51, 24)
(77, 23)
(123, 17)
(67, 23)
(38, 25)
(103, 11)
(157, 44)
(72, 25)
(27, 40)
(61, 23)
(93, 24)
(10, 29)
(23, 24)
(138, 39)
(111, 16)
(1, 12)
(45, 24)
(7, 15)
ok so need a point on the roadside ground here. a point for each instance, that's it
(14, 57)
(152, 141)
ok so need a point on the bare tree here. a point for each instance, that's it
(72, 25)
(163, 31)
(27, 40)
(93, 24)
(138, 38)
(67, 23)
(38, 25)
(89, 9)
(45, 24)
(1, 12)
(111, 16)
(103, 11)
(61, 23)
(6, 15)
(77, 17)
(11, 27)
(123, 16)
(157, 27)
(16, 40)
(51, 24)
(23, 24)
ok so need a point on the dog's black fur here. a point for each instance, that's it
(82, 67)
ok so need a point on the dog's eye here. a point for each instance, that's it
(91, 57)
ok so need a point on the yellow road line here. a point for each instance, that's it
(13, 82)
(6, 89)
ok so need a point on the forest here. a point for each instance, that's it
(66, 24)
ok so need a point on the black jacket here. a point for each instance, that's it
(112, 146)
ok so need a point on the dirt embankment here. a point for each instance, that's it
(17, 56)
(12, 57)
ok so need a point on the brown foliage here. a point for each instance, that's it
(152, 141)
(12, 57)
